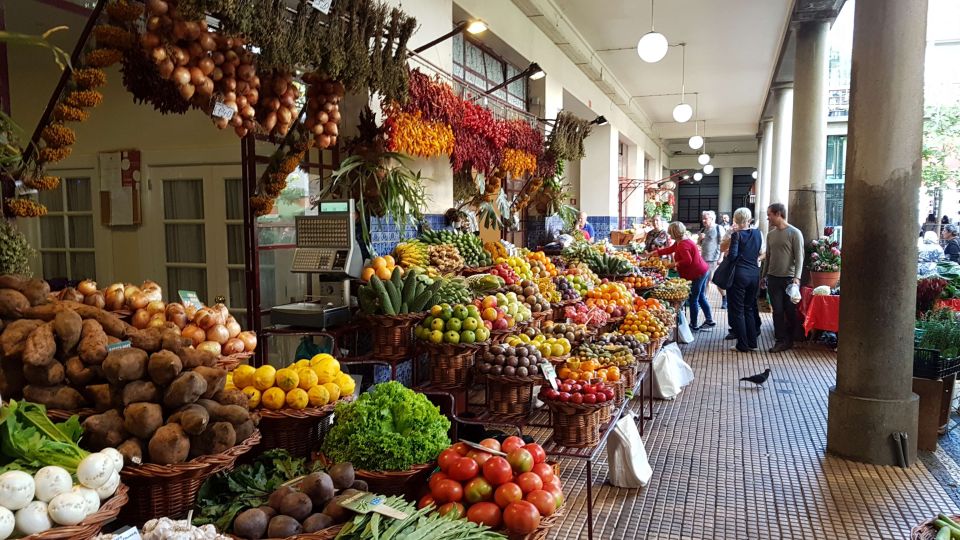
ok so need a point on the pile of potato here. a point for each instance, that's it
(160, 399)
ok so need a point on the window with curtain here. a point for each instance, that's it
(184, 235)
(478, 67)
(66, 232)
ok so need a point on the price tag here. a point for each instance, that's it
(190, 298)
(550, 374)
(118, 345)
(321, 5)
(220, 110)
(364, 503)
(126, 533)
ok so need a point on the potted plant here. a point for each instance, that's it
(823, 261)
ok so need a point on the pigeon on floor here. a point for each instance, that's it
(759, 378)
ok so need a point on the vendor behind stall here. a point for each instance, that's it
(928, 253)
(658, 238)
(585, 227)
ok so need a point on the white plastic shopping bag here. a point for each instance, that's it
(671, 372)
(683, 328)
(793, 291)
(626, 455)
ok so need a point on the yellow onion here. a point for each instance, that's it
(140, 319)
(233, 346)
(210, 347)
(87, 287)
(249, 340)
(96, 300)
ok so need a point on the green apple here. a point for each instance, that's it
(470, 323)
(468, 336)
(446, 313)
(436, 336)
(437, 324)
(482, 333)
(452, 337)
(460, 312)
(453, 324)
(473, 311)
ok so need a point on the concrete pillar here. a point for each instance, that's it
(635, 171)
(782, 131)
(873, 397)
(725, 196)
(808, 152)
(599, 181)
(766, 172)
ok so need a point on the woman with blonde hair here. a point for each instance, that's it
(691, 266)
(744, 253)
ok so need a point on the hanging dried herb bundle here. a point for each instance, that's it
(566, 139)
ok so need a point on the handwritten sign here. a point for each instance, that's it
(364, 503)
(220, 110)
(190, 298)
(550, 374)
(321, 5)
(127, 533)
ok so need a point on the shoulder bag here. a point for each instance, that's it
(724, 274)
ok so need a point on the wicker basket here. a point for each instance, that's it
(61, 415)
(450, 364)
(628, 376)
(299, 432)
(558, 361)
(499, 337)
(536, 319)
(511, 396)
(407, 483)
(576, 425)
(171, 490)
(559, 309)
(927, 530)
(612, 325)
(231, 362)
(472, 271)
(325, 534)
(393, 334)
(605, 413)
(91, 525)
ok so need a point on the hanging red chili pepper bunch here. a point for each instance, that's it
(522, 136)
(434, 99)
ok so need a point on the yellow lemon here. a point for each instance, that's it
(308, 378)
(297, 399)
(319, 396)
(301, 364)
(273, 398)
(253, 397)
(333, 389)
(326, 369)
(346, 383)
(320, 358)
(243, 376)
(264, 377)
(287, 379)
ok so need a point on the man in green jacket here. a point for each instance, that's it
(782, 266)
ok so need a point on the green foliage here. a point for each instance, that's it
(29, 440)
(15, 251)
(941, 148)
(389, 428)
(941, 332)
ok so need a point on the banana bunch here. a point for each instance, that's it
(454, 291)
(412, 254)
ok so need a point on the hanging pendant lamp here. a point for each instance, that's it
(652, 47)
(696, 142)
(708, 169)
(683, 111)
(704, 158)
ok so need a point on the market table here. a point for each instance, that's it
(820, 312)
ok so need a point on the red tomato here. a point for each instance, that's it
(556, 492)
(544, 471)
(564, 397)
(460, 448)
(477, 490)
(492, 444)
(529, 482)
(447, 491)
(447, 458)
(426, 500)
(479, 457)
(463, 469)
(508, 493)
(521, 517)
(590, 398)
(497, 471)
(436, 477)
(485, 513)
(454, 509)
(539, 456)
(576, 398)
(545, 502)
(510, 444)
(520, 460)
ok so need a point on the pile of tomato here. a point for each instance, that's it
(513, 492)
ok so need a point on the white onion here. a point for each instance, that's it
(7, 523)
(115, 456)
(16, 489)
(109, 487)
(90, 497)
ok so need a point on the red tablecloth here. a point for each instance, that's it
(819, 312)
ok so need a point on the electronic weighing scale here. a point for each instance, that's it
(326, 248)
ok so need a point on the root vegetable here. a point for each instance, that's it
(232, 397)
(185, 389)
(234, 414)
(14, 337)
(37, 291)
(132, 451)
(12, 304)
(54, 397)
(215, 379)
(140, 391)
(244, 430)
(111, 324)
(103, 430)
(33, 518)
(51, 481)
(211, 347)
(67, 508)
(93, 342)
(218, 333)
(50, 375)
(148, 339)
(192, 358)
(95, 470)
(70, 295)
(124, 365)
(164, 367)
(16, 489)
(169, 445)
(142, 419)
(67, 326)
(217, 438)
(232, 346)
(101, 396)
(40, 347)
(78, 373)
(249, 340)
(192, 418)
(173, 341)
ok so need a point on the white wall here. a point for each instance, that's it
(598, 172)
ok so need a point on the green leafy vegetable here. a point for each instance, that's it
(30, 440)
(422, 524)
(389, 428)
(227, 494)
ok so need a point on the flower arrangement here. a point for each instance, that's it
(823, 254)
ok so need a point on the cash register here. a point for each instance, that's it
(327, 250)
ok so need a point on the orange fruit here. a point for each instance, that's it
(390, 262)
(384, 273)
(378, 263)
(367, 273)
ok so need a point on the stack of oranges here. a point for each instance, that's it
(646, 303)
(612, 297)
(639, 282)
(588, 370)
(382, 267)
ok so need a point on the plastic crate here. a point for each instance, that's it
(928, 364)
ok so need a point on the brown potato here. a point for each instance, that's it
(140, 391)
(142, 419)
(14, 337)
(40, 347)
(102, 396)
(132, 451)
(164, 367)
(37, 291)
(93, 343)
(169, 445)
(215, 378)
(43, 312)
(80, 374)
(171, 340)
(44, 375)
(125, 365)
(67, 325)
(54, 397)
(13, 304)
(194, 358)
(232, 397)
(193, 418)
(111, 324)
(185, 389)
(217, 438)
(148, 339)
(104, 430)
(234, 414)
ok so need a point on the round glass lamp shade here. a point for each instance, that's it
(707, 169)
(703, 159)
(652, 47)
(682, 112)
(697, 176)
(696, 142)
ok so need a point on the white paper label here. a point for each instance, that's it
(220, 110)
(322, 5)
(189, 298)
(127, 533)
(550, 374)
(118, 345)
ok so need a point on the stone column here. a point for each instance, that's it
(808, 152)
(766, 172)
(725, 197)
(599, 181)
(873, 397)
(782, 131)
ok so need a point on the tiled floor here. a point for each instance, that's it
(734, 462)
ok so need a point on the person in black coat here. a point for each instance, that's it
(744, 253)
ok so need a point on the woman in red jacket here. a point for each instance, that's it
(691, 266)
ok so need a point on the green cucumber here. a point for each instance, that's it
(409, 287)
(944, 533)
(420, 301)
(385, 302)
(397, 279)
(394, 295)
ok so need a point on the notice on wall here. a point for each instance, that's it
(120, 187)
